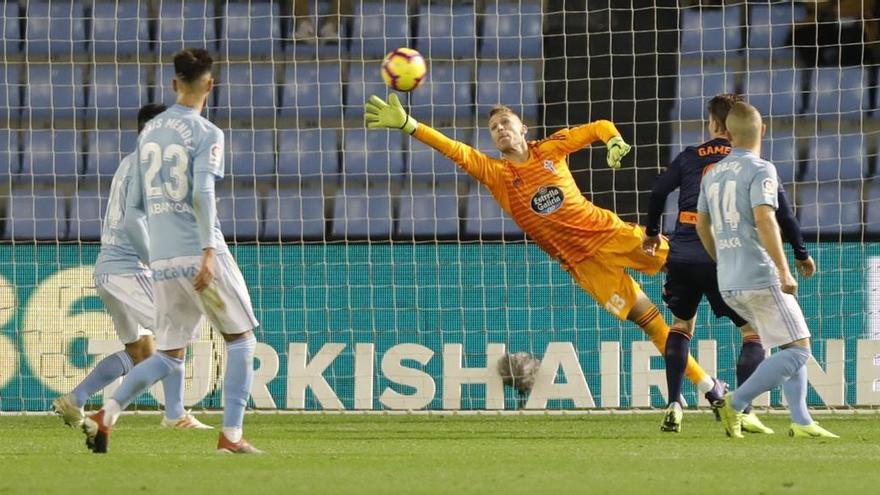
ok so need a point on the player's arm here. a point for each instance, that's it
(791, 230)
(391, 115)
(207, 169)
(567, 141)
(665, 184)
(134, 217)
(764, 197)
(704, 225)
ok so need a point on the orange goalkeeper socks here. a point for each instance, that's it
(655, 327)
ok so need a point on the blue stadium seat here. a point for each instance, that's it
(781, 149)
(295, 215)
(682, 140)
(9, 30)
(670, 212)
(836, 157)
(253, 29)
(446, 94)
(696, 85)
(427, 165)
(120, 28)
(35, 214)
(117, 91)
(362, 213)
(830, 209)
(304, 99)
(238, 209)
(10, 154)
(106, 148)
(446, 31)
(364, 79)
(710, 31)
(770, 26)
(10, 99)
(55, 27)
(308, 153)
(512, 30)
(183, 24)
(872, 207)
(838, 91)
(373, 153)
(86, 215)
(513, 84)
(776, 93)
(251, 153)
(484, 218)
(428, 212)
(51, 154)
(483, 142)
(246, 90)
(379, 27)
(55, 91)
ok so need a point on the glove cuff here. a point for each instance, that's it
(409, 125)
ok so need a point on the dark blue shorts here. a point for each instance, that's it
(687, 283)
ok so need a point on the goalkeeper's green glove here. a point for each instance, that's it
(617, 149)
(391, 115)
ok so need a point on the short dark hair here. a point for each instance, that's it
(192, 63)
(148, 112)
(719, 106)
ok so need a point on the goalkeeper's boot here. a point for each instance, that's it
(752, 424)
(225, 446)
(715, 396)
(97, 435)
(672, 418)
(185, 422)
(730, 417)
(812, 430)
(66, 408)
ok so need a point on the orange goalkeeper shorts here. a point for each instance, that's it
(604, 276)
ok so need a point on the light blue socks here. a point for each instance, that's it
(108, 369)
(795, 390)
(788, 368)
(148, 372)
(172, 385)
(237, 381)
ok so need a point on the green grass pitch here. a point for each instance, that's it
(332, 454)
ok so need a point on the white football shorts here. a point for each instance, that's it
(776, 316)
(180, 308)
(129, 300)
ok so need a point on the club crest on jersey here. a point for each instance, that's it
(549, 165)
(547, 199)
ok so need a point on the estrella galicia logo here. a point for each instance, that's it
(547, 199)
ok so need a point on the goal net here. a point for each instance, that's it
(383, 276)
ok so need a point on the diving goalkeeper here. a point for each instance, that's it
(533, 184)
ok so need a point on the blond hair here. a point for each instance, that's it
(744, 124)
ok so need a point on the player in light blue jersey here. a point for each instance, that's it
(180, 156)
(125, 286)
(736, 222)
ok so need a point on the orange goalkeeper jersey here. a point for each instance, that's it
(541, 194)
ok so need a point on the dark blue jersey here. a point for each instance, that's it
(685, 173)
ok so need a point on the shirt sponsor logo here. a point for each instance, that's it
(547, 200)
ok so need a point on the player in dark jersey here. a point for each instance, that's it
(691, 272)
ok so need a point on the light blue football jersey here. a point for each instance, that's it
(118, 255)
(174, 146)
(728, 193)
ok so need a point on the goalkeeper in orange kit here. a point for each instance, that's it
(531, 181)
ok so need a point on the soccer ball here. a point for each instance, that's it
(404, 69)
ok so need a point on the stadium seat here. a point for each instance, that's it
(303, 99)
(427, 165)
(55, 27)
(294, 214)
(117, 91)
(838, 91)
(120, 28)
(9, 29)
(372, 153)
(710, 31)
(781, 149)
(513, 84)
(484, 143)
(428, 212)
(872, 207)
(776, 92)
(682, 140)
(512, 30)
(246, 90)
(378, 28)
(830, 209)
(696, 85)
(54, 91)
(836, 157)
(770, 26)
(252, 29)
(10, 99)
(106, 148)
(364, 79)
(484, 217)
(251, 153)
(10, 154)
(51, 154)
(446, 94)
(238, 210)
(361, 213)
(446, 31)
(183, 24)
(35, 214)
(86, 215)
(308, 153)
